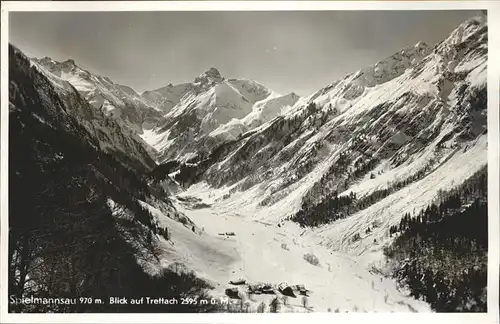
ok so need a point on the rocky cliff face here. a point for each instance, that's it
(345, 163)
(209, 111)
(115, 100)
(79, 99)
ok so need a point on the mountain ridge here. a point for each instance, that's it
(233, 180)
(396, 108)
(119, 101)
(215, 108)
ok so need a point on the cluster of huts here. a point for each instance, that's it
(243, 287)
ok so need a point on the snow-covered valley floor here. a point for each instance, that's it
(265, 250)
(265, 253)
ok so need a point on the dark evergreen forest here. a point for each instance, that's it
(64, 240)
(440, 253)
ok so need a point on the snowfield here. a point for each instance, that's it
(256, 253)
(347, 278)
(210, 109)
(206, 254)
(415, 197)
(418, 112)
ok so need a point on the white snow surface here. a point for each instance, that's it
(414, 83)
(344, 279)
(256, 254)
(224, 108)
(119, 101)
(417, 95)
(457, 168)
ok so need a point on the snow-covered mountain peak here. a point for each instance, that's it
(209, 78)
(292, 95)
(212, 73)
(66, 107)
(465, 49)
(465, 30)
(44, 60)
(421, 45)
(209, 111)
(69, 62)
(394, 65)
(120, 101)
(398, 118)
(57, 67)
(353, 85)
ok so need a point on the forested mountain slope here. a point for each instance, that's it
(365, 185)
(77, 224)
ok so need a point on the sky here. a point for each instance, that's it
(290, 51)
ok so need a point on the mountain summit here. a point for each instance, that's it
(370, 183)
(121, 102)
(403, 116)
(211, 76)
(209, 111)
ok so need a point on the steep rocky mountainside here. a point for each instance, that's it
(402, 143)
(113, 134)
(232, 180)
(115, 100)
(78, 225)
(176, 121)
(209, 111)
(378, 129)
